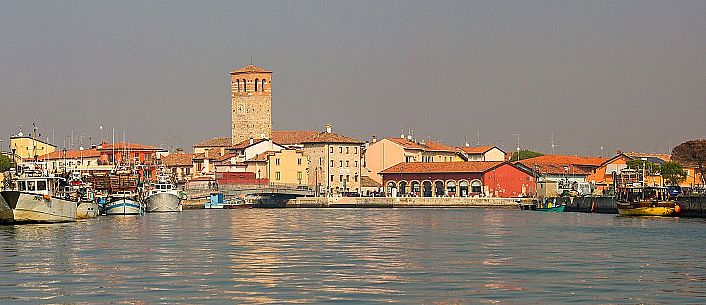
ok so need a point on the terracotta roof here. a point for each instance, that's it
(177, 159)
(556, 169)
(250, 69)
(366, 181)
(291, 137)
(223, 157)
(476, 149)
(124, 145)
(566, 160)
(246, 143)
(436, 146)
(70, 154)
(215, 142)
(442, 167)
(409, 144)
(213, 153)
(663, 157)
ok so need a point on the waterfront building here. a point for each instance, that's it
(483, 153)
(180, 164)
(387, 152)
(285, 167)
(64, 161)
(29, 147)
(251, 104)
(142, 157)
(559, 173)
(458, 179)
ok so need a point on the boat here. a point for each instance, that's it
(38, 198)
(237, 203)
(645, 201)
(163, 197)
(635, 198)
(123, 203)
(83, 192)
(215, 201)
(551, 208)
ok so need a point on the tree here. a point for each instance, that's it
(651, 168)
(5, 163)
(672, 172)
(525, 154)
(692, 153)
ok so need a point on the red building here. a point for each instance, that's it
(458, 179)
(122, 153)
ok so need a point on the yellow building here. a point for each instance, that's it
(287, 166)
(28, 147)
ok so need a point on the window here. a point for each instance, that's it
(299, 161)
(256, 85)
(41, 185)
(347, 164)
(355, 178)
(451, 186)
(276, 161)
(321, 160)
(262, 86)
(278, 176)
(341, 163)
(475, 186)
(347, 150)
(238, 84)
(340, 150)
(348, 177)
(22, 186)
(299, 176)
(331, 178)
(330, 149)
(356, 163)
(30, 186)
(340, 178)
(331, 163)
(355, 150)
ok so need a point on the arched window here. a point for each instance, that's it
(415, 188)
(245, 86)
(238, 82)
(463, 188)
(439, 187)
(391, 188)
(262, 86)
(256, 85)
(451, 187)
(476, 186)
(403, 187)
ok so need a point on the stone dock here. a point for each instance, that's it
(405, 202)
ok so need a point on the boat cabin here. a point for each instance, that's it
(41, 185)
(638, 193)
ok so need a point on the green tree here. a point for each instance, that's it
(651, 168)
(525, 154)
(672, 172)
(692, 153)
(5, 163)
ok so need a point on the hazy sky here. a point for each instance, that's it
(618, 74)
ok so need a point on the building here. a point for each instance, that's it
(559, 173)
(387, 152)
(143, 157)
(29, 147)
(333, 160)
(483, 153)
(180, 164)
(64, 161)
(458, 179)
(284, 167)
(251, 104)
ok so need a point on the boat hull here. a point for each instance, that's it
(123, 207)
(646, 211)
(552, 209)
(18, 207)
(163, 202)
(86, 210)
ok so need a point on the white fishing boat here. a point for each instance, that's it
(163, 197)
(123, 203)
(37, 198)
(85, 195)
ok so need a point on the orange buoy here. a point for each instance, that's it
(677, 209)
(47, 197)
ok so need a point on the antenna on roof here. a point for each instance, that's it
(251, 60)
(552, 143)
(478, 137)
(465, 139)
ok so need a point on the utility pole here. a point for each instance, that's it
(518, 145)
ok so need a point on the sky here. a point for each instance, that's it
(622, 75)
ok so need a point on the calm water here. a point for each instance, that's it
(437, 256)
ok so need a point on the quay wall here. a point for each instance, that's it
(603, 205)
(405, 202)
(692, 206)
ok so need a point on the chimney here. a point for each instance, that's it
(252, 140)
(328, 127)
(374, 139)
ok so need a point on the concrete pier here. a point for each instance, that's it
(406, 202)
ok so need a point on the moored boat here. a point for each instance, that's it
(37, 198)
(645, 201)
(550, 208)
(123, 203)
(163, 197)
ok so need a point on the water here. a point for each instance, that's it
(437, 256)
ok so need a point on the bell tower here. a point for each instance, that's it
(251, 103)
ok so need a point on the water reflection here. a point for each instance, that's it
(440, 256)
